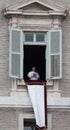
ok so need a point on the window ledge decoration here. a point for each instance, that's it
(22, 82)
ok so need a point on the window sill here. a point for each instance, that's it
(22, 83)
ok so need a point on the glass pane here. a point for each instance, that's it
(55, 42)
(15, 64)
(30, 124)
(55, 65)
(28, 37)
(27, 128)
(40, 37)
(16, 41)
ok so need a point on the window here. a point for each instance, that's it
(29, 124)
(28, 37)
(40, 37)
(35, 36)
(48, 56)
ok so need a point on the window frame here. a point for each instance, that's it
(48, 54)
(30, 123)
(34, 42)
(31, 116)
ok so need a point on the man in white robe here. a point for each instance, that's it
(33, 75)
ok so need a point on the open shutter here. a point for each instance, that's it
(16, 54)
(54, 55)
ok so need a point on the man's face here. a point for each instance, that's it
(33, 69)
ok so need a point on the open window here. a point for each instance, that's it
(34, 56)
(46, 55)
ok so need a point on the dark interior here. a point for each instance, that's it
(34, 56)
(30, 124)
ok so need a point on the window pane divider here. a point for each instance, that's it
(35, 43)
(55, 54)
(16, 53)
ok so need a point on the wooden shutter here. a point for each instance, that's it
(54, 55)
(16, 54)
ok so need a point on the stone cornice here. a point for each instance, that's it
(24, 9)
(34, 13)
(15, 100)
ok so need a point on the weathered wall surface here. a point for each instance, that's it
(8, 119)
(60, 120)
(65, 82)
(4, 49)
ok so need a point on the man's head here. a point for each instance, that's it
(33, 69)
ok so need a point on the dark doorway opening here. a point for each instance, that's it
(34, 56)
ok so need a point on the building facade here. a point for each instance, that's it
(34, 32)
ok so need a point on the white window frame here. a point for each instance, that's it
(34, 42)
(22, 117)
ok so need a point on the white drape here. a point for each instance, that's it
(36, 93)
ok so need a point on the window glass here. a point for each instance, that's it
(28, 37)
(34, 37)
(15, 64)
(55, 65)
(27, 128)
(40, 37)
(55, 42)
(30, 125)
(16, 41)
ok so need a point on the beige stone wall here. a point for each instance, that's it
(8, 119)
(65, 82)
(60, 120)
(4, 52)
(4, 49)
